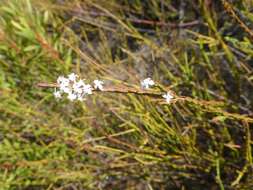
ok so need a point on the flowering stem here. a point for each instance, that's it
(113, 90)
(125, 90)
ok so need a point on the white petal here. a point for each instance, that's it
(87, 89)
(98, 84)
(168, 97)
(62, 80)
(65, 89)
(77, 86)
(72, 97)
(72, 77)
(57, 94)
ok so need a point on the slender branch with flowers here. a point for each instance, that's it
(76, 89)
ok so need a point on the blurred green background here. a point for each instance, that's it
(201, 49)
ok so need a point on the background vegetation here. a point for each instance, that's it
(201, 49)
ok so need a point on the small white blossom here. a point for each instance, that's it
(147, 83)
(72, 77)
(77, 86)
(65, 89)
(72, 96)
(87, 89)
(57, 94)
(62, 81)
(64, 84)
(98, 84)
(168, 97)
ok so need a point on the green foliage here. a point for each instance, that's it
(200, 50)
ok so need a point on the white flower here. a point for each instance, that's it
(72, 77)
(57, 94)
(146, 83)
(65, 89)
(87, 89)
(63, 84)
(72, 96)
(77, 86)
(168, 97)
(62, 81)
(98, 84)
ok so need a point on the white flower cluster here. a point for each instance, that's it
(75, 88)
(148, 82)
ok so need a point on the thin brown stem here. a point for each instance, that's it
(229, 8)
